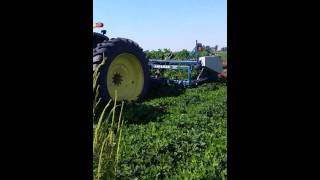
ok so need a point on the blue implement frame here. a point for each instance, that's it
(186, 65)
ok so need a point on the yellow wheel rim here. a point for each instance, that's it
(125, 75)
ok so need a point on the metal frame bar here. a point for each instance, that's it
(176, 67)
(188, 62)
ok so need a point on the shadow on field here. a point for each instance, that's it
(138, 113)
(157, 91)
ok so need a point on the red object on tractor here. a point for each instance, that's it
(98, 25)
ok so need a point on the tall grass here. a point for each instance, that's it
(107, 135)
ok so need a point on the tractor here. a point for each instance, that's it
(125, 70)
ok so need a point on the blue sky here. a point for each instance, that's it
(174, 24)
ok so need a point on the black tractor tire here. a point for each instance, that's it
(97, 39)
(111, 49)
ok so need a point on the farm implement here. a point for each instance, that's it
(210, 68)
(123, 66)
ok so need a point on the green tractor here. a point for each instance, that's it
(125, 70)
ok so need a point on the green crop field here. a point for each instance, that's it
(175, 134)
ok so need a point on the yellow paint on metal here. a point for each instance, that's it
(125, 74)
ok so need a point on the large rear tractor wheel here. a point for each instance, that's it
(126, 70)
